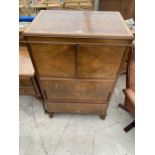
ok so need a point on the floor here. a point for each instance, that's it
(75, 134)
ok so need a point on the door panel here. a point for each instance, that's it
(54, 60)
(99, 62)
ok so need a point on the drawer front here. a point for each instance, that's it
(77, 90)
(99, 62)
(76, 107)
(25, 82)
(27, 91)
(54, 60)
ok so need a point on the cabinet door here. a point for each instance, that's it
(99, 62)
(54, 60)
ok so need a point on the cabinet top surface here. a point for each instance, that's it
(82, 24)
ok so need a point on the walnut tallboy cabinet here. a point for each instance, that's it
(77, 56)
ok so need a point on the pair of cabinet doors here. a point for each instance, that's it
(76, 61)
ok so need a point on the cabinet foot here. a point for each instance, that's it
(51, 114)
(102, 116)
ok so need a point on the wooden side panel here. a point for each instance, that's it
(111, 5)
(76, 107)
(81, 24)
(28, 86)
(29, 90)
(125, 7)
(25, 81)
(25, 65)
(54, 60)
(99, 62)
(76, 89)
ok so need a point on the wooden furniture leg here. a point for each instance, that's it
(102, 116)
(130, 126)
(122, 107)
(51, 114)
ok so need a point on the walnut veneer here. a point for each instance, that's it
(77, 56)
(125, 7)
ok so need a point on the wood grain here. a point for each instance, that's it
(79, 23)
(27, 81)
(76, 107)
(77, 58)
(54, 60)
(125, 7)
(99, 62)
(76, 89)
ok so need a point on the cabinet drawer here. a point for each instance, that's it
(76, 107)
(25, 82)
(76, 89)
(27, 91)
